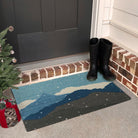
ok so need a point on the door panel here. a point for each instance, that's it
(48, 28)
(28, 16)
(50, 44)
(48, 15)
(66, 14)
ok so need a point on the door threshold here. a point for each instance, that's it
(53, 62)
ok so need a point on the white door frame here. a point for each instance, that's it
(97, 18)
(96, 23)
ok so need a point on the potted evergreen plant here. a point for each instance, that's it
(9, 76)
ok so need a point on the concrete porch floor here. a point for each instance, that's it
(118, 121)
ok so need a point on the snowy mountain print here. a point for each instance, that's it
(59, 100)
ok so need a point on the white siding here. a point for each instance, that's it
(118, 20)
(124, 24)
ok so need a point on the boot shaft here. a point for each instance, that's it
(105, 50)
(100, 51)
(94, 49)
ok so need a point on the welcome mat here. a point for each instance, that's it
(59, 99)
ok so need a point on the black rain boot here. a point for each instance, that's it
(94, 45)
(105, 50)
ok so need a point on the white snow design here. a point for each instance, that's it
(68, 90)
(25, 103)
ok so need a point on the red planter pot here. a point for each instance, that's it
(3, 122)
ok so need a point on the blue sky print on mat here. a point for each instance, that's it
(37, 100)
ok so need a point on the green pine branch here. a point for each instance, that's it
(9, 74)
(3, 33)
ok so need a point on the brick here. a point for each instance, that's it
(127, 58)
(128, 68)
(25, 78)
(136, 70)
(112, 70)
(79, 66)
(85, 65)
(34, 76)
(50, 72)
(113, 64)
(57, 70)
(135, 59)
(121, 54)
(125, 73)
(42, 73)
(132, 64)
(135, 81)
(115, 51)
(130, 85)
(71, 68)
(121, 63)
(64, 69)
(118, 76)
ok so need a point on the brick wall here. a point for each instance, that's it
(123, 63)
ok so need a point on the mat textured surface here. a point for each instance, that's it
(59, 99)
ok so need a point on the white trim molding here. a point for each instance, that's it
(96, 18)
(94, 22)
(101, 16)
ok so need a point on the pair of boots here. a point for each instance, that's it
(100, 52)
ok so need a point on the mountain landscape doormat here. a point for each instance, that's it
(59, 99)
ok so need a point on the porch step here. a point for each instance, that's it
(123, 63)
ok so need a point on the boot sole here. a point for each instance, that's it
(91, 79)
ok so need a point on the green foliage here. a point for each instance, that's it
(3, 33)
(8, 71)
(2, 105)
